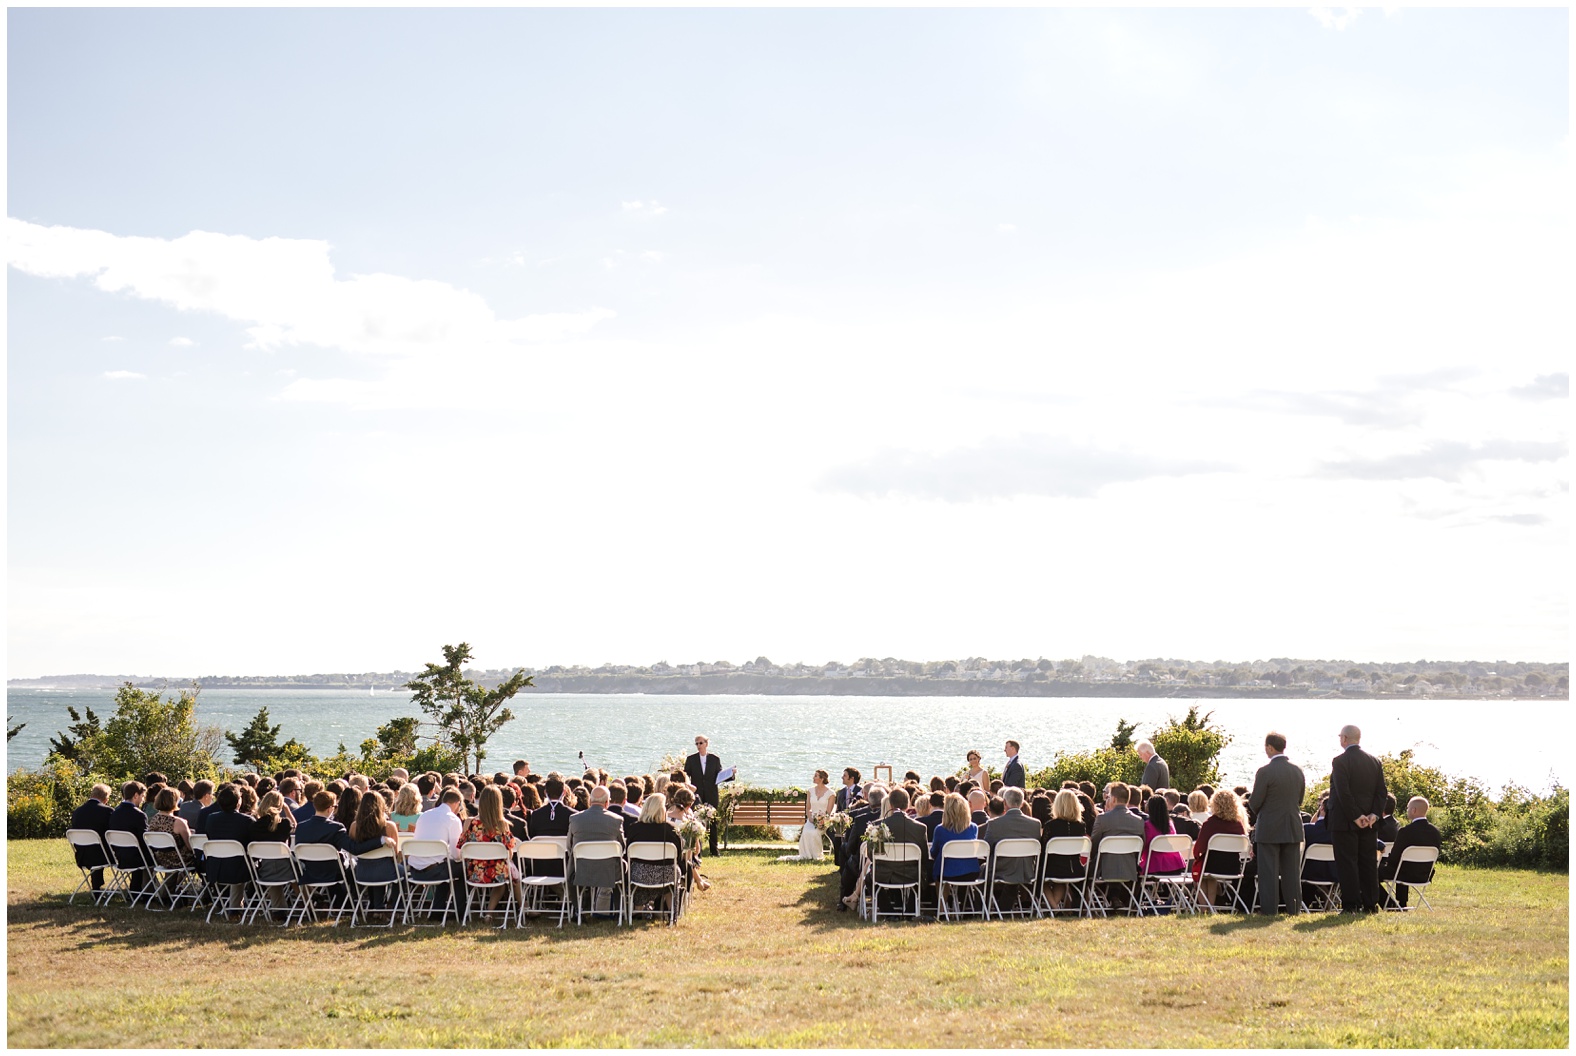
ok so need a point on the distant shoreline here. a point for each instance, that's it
(751, 684)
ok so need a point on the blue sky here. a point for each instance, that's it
(631, 335)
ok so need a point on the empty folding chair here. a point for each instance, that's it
(596, 858)
(1424, 858)
(371, 864)
(1063, 867)
(175, 882)
(131, 865)
(86, 850)
(1232, 848)
(321, 867)
(1324, 891)
(904, 865)
(658, 859)
(1018, 857)
(502, 881)
(227, 868)
(978, 852)
(273, 870)
(441, 882)
(1167, 890)
(535, 887)
(1100, 883)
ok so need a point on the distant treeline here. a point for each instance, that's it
(1090, 676)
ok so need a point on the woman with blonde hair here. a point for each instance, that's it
(956, 824)
(1198, 806)
(1225, 815)
(1066, 820)
(654, 827)
(407, 807)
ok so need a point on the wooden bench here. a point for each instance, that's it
(760, 812)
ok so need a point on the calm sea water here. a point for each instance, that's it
(782, 740)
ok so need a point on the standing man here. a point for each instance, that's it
(1276, 804)
(1012, 775)
(1157, 774)
(1357, 795)
(702, 769)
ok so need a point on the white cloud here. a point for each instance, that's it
(651, 208)
(182, 342)
(124, 375)
(1337, 18)
(286, 290)
(112, 337)
(1008, 229)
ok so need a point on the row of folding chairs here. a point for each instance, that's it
(402, 898)
(1326, 893)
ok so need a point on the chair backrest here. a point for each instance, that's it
(1386, 848)
(160, 841)
(1318, 852)
(424, 848)
(1182, 845)
(84, 838)
(269, 851)
(597, 850)
(224, 849)
(483, 852)
(1229, 842)
(377, 853)
(562, 841)
(1067, 846)
(974, 849)
(901, 852)
(653, 851)
(121, 838)
(540, 849)
(198, 841)
(316, 852)
(1429, 855)
(1122, 845)
(1021, 847)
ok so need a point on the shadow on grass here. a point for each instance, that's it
(1325, 921)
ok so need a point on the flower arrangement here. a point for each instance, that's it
(835, 824)
(706, 814)
(691, 832)
(877, 837)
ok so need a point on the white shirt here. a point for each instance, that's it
(439, 823)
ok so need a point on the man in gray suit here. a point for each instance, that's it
(1157, 774)
(1117, 820)
(1013, 824)
(1276, 805)
(596, 823)
(904, 829)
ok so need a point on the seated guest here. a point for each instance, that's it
(1198, 806)
(927, 814)
(443, 823)
(519, 827)
(274, 824)
(956, 824)
(229, 823)
(938, 784)
(428, 784)
(1066, 819)
(1159, 823)
(1386, 827)
(373, 829)
(653, 827)
(94, 814)
(322, 828)
(904, 829)
(1089, 812)
(349, 806)
(1012, 824)
(862, 817)
(202, 796)
(129, 817)
(616, 805)
(593, 825)
(489, 826)
(978, 801)
(407, 807)
(634, 793)
(951, 782)
(530, 799)
(1115, 820)
(1225, 817)
(582, 799)
(290, 789)
(1418, 832)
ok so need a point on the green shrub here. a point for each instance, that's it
(39, 802)
(1191, 748)
(1100, 766)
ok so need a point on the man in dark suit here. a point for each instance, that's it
(95, 814)
(1357, 795)
(550, 819)
(1157, 773)
(861, 817)
(850, 790)
(1276, 804)
(320, 827)
(932, 819)
(129, 817)
(702, 768)
(519, 827)
(1387, 828)
(904, 829)
(1012, 775)
(1418, 832)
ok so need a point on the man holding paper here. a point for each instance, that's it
(705, 772)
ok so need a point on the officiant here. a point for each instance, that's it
(704, 770)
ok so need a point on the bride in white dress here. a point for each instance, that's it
(820, 801)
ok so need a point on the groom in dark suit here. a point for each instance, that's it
(702, 768)
(1012, 775)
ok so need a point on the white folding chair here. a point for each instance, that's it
(1228, 843)
(487, 852)
(1076, 848)
(88, 839)
(898, 856)
(216, 851)
(1176, 887)
(533, 887)
(1324, 891)
(321, 854)
(174, 882)
(393, 904)
(978, 852)
(596, 851)
(126, 853)
(418, 890)
(271, 851)
(199, 841)
(1113, 847)
(652, 851)
(1428, 856)
(1015, 849)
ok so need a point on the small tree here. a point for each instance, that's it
(1191, 749)
(467, 714)
(147, 732)
(1122, 739)
(79, 741)
(11, 731)
(257, 743)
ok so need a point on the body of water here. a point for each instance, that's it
(782, 740)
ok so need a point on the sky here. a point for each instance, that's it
(594, 336)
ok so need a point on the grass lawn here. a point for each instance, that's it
(762, 960)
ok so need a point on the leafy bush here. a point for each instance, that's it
(1101, 766)
(147, 732)
(39, 802)
(1191, 748)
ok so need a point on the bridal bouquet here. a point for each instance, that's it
(691, 832)
(706, 814)
(877, 837)
(835, 824)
